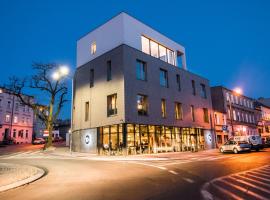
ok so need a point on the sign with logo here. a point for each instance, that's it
(87, 139)
(224, 127)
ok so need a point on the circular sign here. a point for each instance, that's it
(87, 139)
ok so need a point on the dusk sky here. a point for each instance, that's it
(226, 41)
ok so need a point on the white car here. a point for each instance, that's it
(235, 146)
(39, 141)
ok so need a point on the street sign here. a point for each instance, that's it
(45, 133)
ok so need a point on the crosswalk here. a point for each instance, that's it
(251, 184)
(184, 160)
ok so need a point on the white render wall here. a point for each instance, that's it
(122, 29)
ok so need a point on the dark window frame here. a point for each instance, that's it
(166, 78)
(109, 70)
(138, 77)
(111, 111)
(92, 77)
(144, 110)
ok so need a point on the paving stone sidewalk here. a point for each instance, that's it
(14, 175)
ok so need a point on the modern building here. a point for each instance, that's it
(234, 114)
(263, 119)
(16, 119)
(133, 93)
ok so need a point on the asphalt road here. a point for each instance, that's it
(182, 176)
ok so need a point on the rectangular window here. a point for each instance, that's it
(142, 104)
(203, 91)
(193, 87)
(163, 78)
(109, 70)
(205, 115)
(141, 70)
(93, 48)
(111, 105)
(16, 106)
(154, 49)
(9, 105)
(192, 111)
(26, 133)
(15, 120)
(7, 118)
(91, 78)
(234, 115)
(178, 111)
(86, 112)
(163, 108)
(171, 58)
(14, 133)
(178, 81)
(145, 45)
(162, 53)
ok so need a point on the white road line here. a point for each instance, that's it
(253, 180)
(176, 163)
(259, 174)
(173, 172)
(263, 171)
(250, 185)
(244, 190)
(257, 177)
(227, 193)
(188, 180)
(149, 165)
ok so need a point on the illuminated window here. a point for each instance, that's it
(163, 108)
(205, 115)
(15, 119)
(154, 49)
(145, 45)
(86, 112)
(142, 104)
(162, 53)
(234, 115)
(171, 58)
(111, 105)
(141, 70)
(93, 48)
(7, 118)
(178, 111)
(227, 96)
(163, 78)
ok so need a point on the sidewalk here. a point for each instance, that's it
(64, 151)
(14, 175)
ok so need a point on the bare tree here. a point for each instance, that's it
(42, 81)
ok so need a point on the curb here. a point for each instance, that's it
(38, 175)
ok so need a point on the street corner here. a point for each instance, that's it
(15, 175)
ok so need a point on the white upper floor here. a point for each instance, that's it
(124, 29)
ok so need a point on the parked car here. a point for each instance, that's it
(266, 141)
(39, 141)
(254, 140)
(235, 146)
(58, 139)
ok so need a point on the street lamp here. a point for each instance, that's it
(237, 91)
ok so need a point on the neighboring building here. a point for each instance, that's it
(264, 101)
(63, 126)
(233, 113)
(16, 119)
(263, 119)
(133, 93)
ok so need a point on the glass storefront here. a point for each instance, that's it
(142, 139)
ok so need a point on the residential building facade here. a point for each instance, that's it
(132, 93)
(234, 114)
(16, 119)
(263, 119)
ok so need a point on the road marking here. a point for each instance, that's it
(173, 172)
(188, 180)
(149, 165)
(242, 182)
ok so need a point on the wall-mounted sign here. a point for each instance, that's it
(87, 139)
(224, 127)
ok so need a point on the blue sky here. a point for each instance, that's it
(226, 41)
